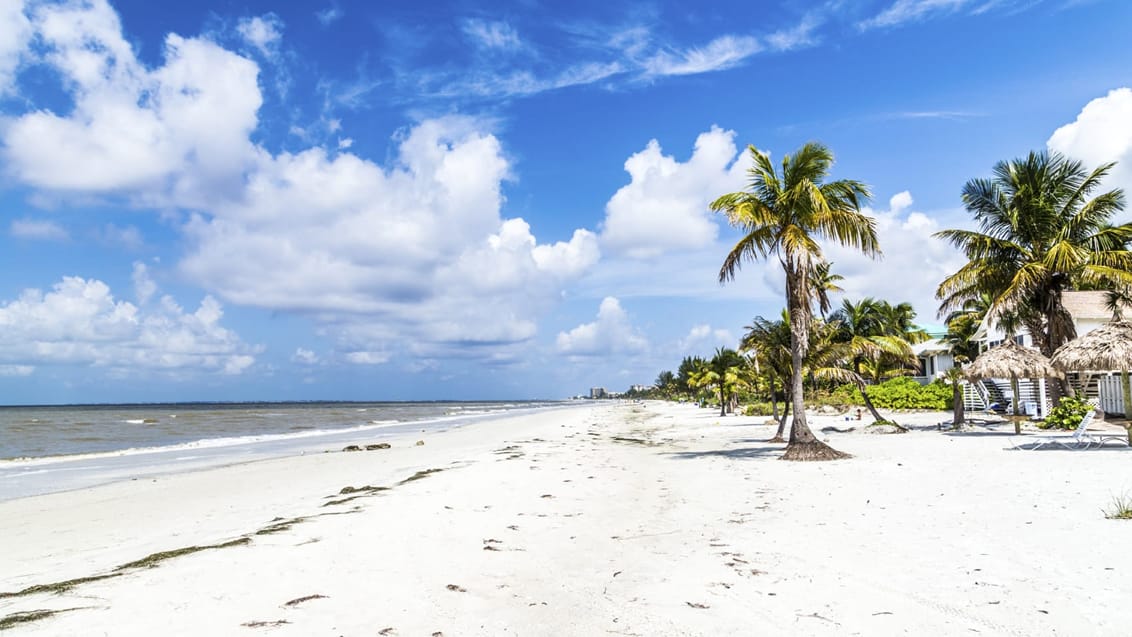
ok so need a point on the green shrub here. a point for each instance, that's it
(901, 392)
(758, 409)
(1067, 415)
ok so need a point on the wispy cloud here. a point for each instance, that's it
(953, 115)
(492, 35)
(329, 15)
(721, 53)
(38, 229)
(905, 11)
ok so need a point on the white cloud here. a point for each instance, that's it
(178, 132)
(305, 356)
(665, 205)
(329, 15)
(262, 32)
(611, 333)
(128, 237)
(144, 286)
(492, 34)
(415, 253)
(38, 229)
(367, 358)
(721, 53)
(15, 32)
(903, 11)
(80, 322)
(905, 237)
(1101, 133)
(705, 338)
(16, 370)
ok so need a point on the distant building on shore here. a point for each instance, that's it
(598, 392)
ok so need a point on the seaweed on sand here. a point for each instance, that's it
(154, 559)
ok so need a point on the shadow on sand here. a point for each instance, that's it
(766, 450)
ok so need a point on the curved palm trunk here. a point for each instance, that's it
(869, 403)
(781, 423)
(803, 445)
(774, 404)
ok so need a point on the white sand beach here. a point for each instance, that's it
(606, 519)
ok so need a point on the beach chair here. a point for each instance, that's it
(1078, 440)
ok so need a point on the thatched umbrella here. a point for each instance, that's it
(1109, 347)
(1011, 360)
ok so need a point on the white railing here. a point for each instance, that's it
(1111, 394)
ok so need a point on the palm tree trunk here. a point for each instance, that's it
(1017, 413)
(774, 402)
(782, 423)
(869, 404)
(803, 445)
(957, 405)
(1126, 391)
(722, 400)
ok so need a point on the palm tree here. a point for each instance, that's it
(1039, 234)
(875, 337)
(769, 341)
(824, 282)
(784, 215)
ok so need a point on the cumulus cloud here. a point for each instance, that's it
(665, 205)
(415, 250)
(15, 32)
(181, 129)
(1101, 133)
(611, 333)
(705, 338)
(79, 322)
(38, 229)
(329, 15)
(905, 237)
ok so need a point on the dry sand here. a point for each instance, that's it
(607, 519)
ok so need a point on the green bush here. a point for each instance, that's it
(758, 409)
(900, 393)
(1067, 415)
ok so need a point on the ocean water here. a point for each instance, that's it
(56, 448)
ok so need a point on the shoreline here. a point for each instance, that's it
(608, 518)
(29, 476)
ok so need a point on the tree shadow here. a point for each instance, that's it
(766, 451)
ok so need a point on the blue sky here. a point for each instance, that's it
(354, 200)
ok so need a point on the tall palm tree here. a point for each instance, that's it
(1039, 234)
(784, 215)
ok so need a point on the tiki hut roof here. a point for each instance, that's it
(1109, 347)
(1011, 360)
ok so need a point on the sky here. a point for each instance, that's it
(348, 200)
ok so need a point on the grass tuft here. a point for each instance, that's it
(1121, 508)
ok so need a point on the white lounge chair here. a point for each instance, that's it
(1079, 439)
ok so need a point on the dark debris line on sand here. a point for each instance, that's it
(278, 525)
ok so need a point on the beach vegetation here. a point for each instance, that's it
(1067, 414)
(1120, 508)
(899, 393)
(784, 214)
(1040, 233)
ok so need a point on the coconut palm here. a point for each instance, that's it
(824, 282)
(784, 214)
(1039, 234)
(769, 341)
